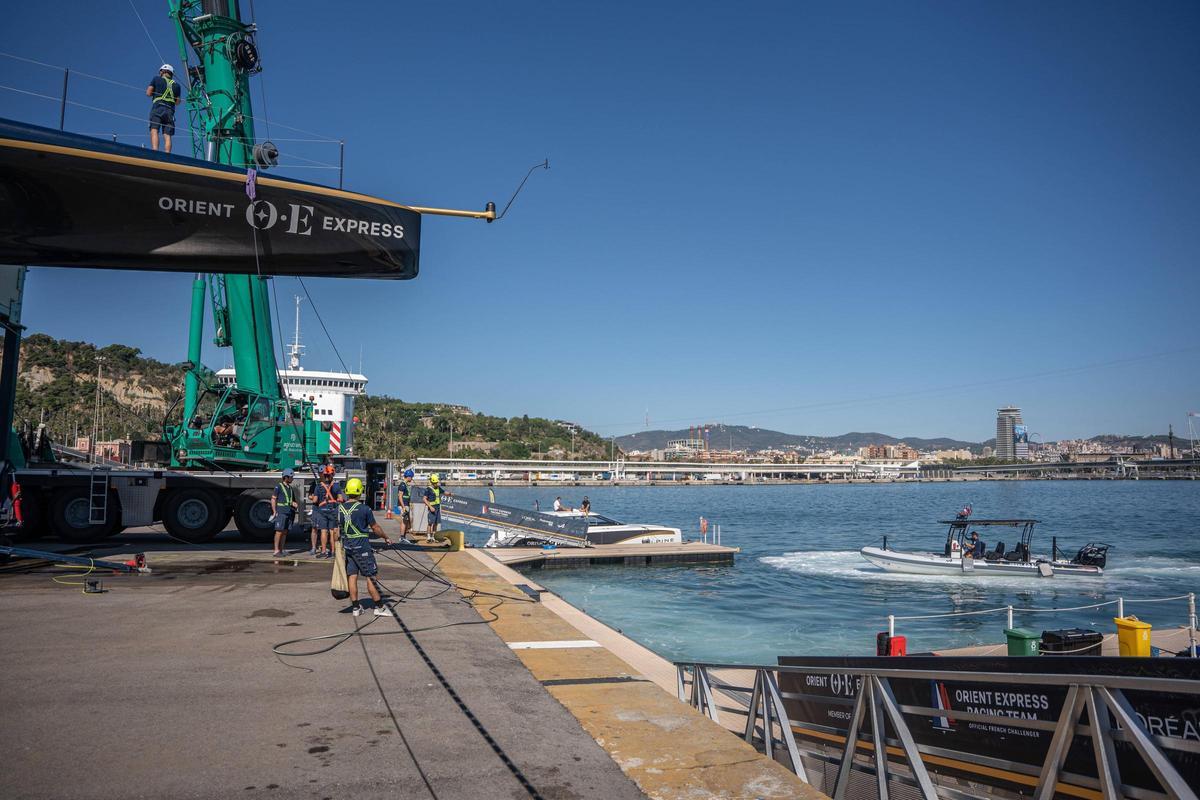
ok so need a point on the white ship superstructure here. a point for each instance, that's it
(331, 393)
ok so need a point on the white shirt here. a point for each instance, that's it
(557, 505)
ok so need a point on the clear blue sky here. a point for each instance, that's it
(803, 216)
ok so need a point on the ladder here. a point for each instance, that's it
(98, 498)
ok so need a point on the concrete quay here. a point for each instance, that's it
(166, 685)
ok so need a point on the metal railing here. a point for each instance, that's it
(769, 727)
(1010, 611)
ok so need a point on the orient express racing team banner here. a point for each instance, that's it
(70, 200)
(826, 702)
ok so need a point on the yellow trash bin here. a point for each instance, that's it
(1133, 636)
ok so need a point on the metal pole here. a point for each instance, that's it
(891, 624)
(1010, 620)
(1192, 623)
(1121, 607)
(341, 161)
(62, 110)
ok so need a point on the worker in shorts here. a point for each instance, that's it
(357, 524)
(325, 497)
(165, 93)
(283, 509)
(404, 500)
(433, 503)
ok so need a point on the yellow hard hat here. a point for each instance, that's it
(354, 487)
(434, 478)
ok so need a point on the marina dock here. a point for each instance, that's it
(629, 555)
(170, 687)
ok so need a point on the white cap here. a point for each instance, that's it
(167, 68)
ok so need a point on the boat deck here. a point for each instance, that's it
(629, 555)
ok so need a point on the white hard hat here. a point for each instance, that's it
(167, 68)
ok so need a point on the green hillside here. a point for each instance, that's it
(57, 386)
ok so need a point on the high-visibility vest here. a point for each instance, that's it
(168, 94)
(348, 528)
(437, 496)
(327, 490)
(287, 494)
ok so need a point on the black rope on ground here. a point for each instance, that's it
(359, 631)
(387, 704)
(468, 713)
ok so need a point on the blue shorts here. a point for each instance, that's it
(435, 516)
(325, 519)
(360, 558)
(162, 119)
(283, 520)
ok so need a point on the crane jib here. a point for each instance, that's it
(71, 200)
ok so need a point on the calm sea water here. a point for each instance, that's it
(799, 585)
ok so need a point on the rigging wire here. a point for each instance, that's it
(544, 165)
(317, 311)
(138, 14)
(266, 122)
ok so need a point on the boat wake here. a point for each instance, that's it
(850, 564)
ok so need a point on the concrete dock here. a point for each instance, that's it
(166, 685)
(629, 555)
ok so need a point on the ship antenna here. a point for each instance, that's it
(296, 350)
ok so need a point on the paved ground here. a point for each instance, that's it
(166, 686)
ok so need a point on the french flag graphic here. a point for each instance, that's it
(941, 701)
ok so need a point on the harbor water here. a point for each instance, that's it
(800, 586)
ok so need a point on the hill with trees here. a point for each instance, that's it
(57, 386)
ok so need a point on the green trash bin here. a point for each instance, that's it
(1023, 642)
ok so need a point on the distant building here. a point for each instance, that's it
(1012, 437)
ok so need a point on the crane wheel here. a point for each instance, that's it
(70, 513)
(193, 515)
(252, 515)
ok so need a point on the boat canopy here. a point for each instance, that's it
(69, 200)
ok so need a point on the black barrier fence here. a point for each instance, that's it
(1023, 726)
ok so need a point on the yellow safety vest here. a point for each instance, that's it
(348, 525)
(168, 95)
(287, 494)
(437, 496)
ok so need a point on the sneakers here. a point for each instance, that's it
(326, 554)
(383, 611)
(314, 552)
(356, 610)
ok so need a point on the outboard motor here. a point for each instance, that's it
(1092, 554)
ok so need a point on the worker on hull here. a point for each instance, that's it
(357, 524)
(283, 510)
(166, 94)
(325, 497)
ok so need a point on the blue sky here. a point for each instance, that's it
(813, 217)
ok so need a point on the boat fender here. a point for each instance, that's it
(1045, 570)
(968, 564)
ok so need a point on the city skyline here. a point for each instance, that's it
(809, 217)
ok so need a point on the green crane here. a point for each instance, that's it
(250, 424)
